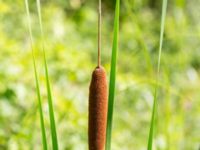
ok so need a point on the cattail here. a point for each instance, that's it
(98, 97)
(98, 104)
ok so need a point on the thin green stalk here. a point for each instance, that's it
(44, 139)
(50, 103)
(112, 77)
(152, 126)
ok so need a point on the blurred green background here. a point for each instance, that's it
(70, 28)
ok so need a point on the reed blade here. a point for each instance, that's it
(152, 125)
(44, 139)
(112, 77)
(50, 101)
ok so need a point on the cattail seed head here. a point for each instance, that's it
(98, 104)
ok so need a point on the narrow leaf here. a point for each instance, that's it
(50, 103)
(112, 77)
(152, 126)
(44, 139)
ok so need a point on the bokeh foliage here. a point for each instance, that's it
(70, 29)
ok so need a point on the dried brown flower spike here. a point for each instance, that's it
(98, 98)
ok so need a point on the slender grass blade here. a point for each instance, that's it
(112, 77)
(50, 103)
(152, 125)
(44, 139)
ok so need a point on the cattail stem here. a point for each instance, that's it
(98, 109)
(99, 35)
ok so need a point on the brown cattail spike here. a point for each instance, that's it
(98, 98)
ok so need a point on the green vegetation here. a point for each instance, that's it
(112, 76)
(155, 103)
(70, 33)
(50, 103)
(44, 139)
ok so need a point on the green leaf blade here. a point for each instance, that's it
(44, 139)
(50, 100)
(152, 124)
(112, 77)
(51, 109)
